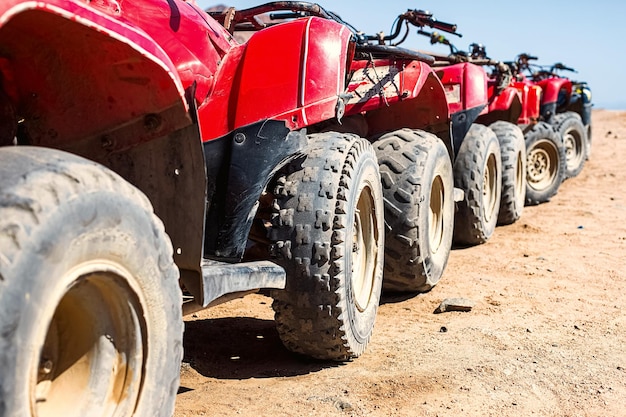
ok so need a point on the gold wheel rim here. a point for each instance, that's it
(364, 249)
(490, 191)
(542, 165)
(436, 215)
(93, 349)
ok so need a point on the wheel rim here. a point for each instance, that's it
(542, 165)
(519, 175)
(490, 192)
(573, 143)
(436, 215)
(93, 350)
(364, 249)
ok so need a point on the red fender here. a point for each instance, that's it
(396, 94)
(504, 99)
(531, 100)
(293, 72)
(551, 88)
(465, 85)
(74, 71)
(509, 98)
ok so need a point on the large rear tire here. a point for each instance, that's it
(90, 308)
(574, 136)
(545, 163)
(478, 172)
(328, 234)
(418, 187)
(513, 154)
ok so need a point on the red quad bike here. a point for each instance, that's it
(504, 107)
(477, 159)
(545, 153)
(575, 99)
(556, 95)
(392, 98)
(143, 151)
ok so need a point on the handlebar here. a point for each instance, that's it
(248, 19)
(423, 18)
(291, 10)
(526, 57)
(560, 66)
(435, 37)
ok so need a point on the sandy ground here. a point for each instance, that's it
(547, 335)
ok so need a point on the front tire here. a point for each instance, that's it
(574, 136)
(90, 308)
(513, 154)
(545, 163)
(328, 235)
(419, 209)
(478, 172)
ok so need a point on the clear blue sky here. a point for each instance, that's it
(586, 35)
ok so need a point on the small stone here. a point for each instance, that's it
(576, 327)
(455, 304)
(342, 405)
(443, 329)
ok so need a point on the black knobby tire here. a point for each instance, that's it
(328, 235)
(513, 154)
(478, 172)
(545, 163)
(418, 188)
(573, 133)
(90, 308)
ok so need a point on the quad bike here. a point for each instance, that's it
(558, 102)
(578, 101)
(504, 108)
(393, 98)
(477, 159)
(153, 166)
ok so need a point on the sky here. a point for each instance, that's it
(586, 35)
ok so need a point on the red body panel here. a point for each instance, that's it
(465, 85)
(300, 85)
(75, 71)
(531, 100)
(115, 49)
(551, 88)
(408, 91)
(504, 100)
